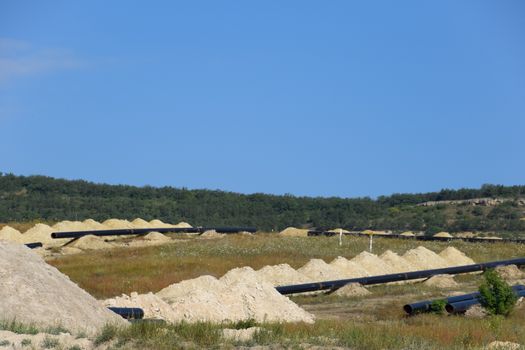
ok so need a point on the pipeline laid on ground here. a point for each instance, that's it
(141, 231)
(422, 238)
(129, 313)
(394, 277)
(34, 245)
(459, 301)
(464, 305)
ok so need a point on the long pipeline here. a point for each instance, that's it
(140, 231)
(404, 276)
(424, 306)
(464, 305)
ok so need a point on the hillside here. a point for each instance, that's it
(27, 198)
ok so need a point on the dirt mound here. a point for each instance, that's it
(423, 259)
(347, 268)
(212, 234)
(396, 262)
(503, 345)
(238, 295)
(117, 224)
(140, 223)
(183, 224)
(407, 234)
(294, 232)
(443, 234)
(441, 281)
(372, 264)
(337, 230)
(154, 307)
(281, 275)
(466, 234)
(34, 292)
(352, 290)
(316, 270)
(39, 233)
(7, 233)
(455, 257)
(64, 226)
(90, 242)
(476, 311)
(510, 272)
(90, 224)
(156, 237)
(158, 224)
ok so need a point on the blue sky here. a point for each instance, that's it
(339, 98)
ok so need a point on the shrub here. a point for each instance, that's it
(496, 295)
(438, 306)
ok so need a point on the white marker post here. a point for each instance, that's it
(370, 246)
(340, 237)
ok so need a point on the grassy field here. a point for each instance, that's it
(376, 321)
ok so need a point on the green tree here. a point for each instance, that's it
(496, 295)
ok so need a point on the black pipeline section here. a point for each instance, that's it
(465, 299)
(34, 245)
(464, 305)
(141, 231)
(404, 276)
(422, 238)
(128, 313)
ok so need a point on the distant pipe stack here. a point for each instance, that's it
(336, 284)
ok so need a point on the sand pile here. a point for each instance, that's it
(466, 234)
(239, 295)
(347, 268)
(337, 230)
(510, 272)
(34, 292)
(64, 226)
(183, 224)
(154, 307)
(90, 242)
(396, 262)
(17, 341)
(39, 233)
(7, 233)
(158, 224)
(443, 234)
(156, 237)
(140, 223)
(372, 264)
(441, 281)
(407, 234)
(117, 224)
(423, 259)
(90, 224)
(294, 232)
(503, 345)
(352, 290)
(281, 275)
(212, 234)
(455, 257)
(316, 270)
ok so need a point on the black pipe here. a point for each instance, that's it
(128, 312)
(464, 305)
(335, 284)
(34, 245)
(139, 231)
(424, 306)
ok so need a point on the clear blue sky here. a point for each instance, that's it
(338, 98)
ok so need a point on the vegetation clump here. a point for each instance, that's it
(496, 295)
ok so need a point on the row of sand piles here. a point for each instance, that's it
(33, 292)
(243, 294)
(42, 232)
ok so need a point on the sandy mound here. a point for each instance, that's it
(183, 224)
(140, 223)
(41, 233)
(90, 242)
(238, 295)
(316, 270)
(510, 272)
(158, 224)
(156, 237)
(40, 341)
(65, 226)
(443, 234)
(372, 264)
(281, 275)
(396, 262)
(117, 224)
(503, 345)
(212, 234)
(294, 232)
(407, 234)
(352, 290)
(441, 281)
(423, 259)
(337, 230)
(476, 311)
(7, 233)
(466, 234)
(154, 307)
(455, 257)
(35, 292)
(70, 250)
(347, 268)
(90, 224)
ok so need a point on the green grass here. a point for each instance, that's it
(112, 272)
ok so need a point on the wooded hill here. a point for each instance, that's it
(29, 198)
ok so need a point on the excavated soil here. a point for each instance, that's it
(294, 232)
(352, 290)
(441, 281)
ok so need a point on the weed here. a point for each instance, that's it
(49, 343)
(26, 342)
(5, 342)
